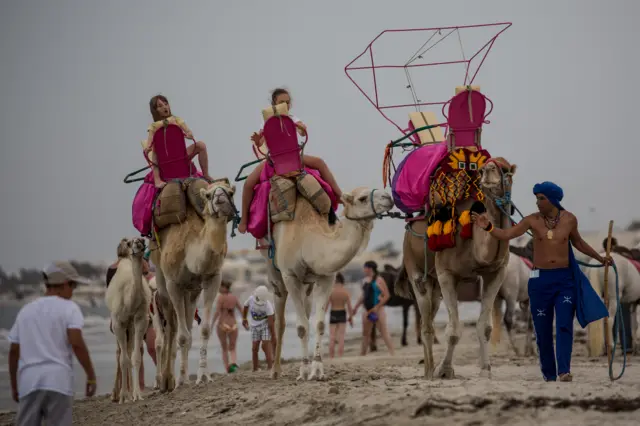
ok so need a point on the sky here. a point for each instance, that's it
(76, 78)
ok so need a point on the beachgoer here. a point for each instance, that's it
(160, 110)
(150, 334)
(556, 282)
(227, 326)
(279, 96)
(374, 295)
(261, 324)
(341, 309)
(45, 335)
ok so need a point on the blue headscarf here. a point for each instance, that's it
(550, 190)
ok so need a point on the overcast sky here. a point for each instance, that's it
(76, 78)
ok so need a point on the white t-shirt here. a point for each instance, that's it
(45, 352)
(295, 119)
(258, 313)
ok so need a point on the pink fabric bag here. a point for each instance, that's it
(142, 208)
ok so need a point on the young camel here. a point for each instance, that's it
(128, 297)
(189, 262)
(481, 255)
(309, 252)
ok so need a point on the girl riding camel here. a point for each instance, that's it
(279, 96)
(160, 110)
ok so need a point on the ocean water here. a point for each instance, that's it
(102, 344)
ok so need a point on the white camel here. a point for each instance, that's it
(128, 297)
(308, 254)
(629, 290)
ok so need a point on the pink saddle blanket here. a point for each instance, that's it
(257, 224)
(527, 262)
(412, 180)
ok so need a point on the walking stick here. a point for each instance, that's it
(606, 295)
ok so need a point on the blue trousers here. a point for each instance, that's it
(553, 290)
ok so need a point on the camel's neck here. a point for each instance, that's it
(353, 237)
(214, 235)
(136, 267)
(486, 248)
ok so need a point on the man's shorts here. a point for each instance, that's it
(53, 407)
(260, 332)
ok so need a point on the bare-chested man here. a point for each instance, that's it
(340, 302)
(554, 281)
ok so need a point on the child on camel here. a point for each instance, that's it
(279, 96)
(160, 110)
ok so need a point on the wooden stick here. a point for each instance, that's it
(606, 296)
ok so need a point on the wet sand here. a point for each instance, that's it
(381, 390)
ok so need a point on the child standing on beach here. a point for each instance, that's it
(340, 302)
(261, 324)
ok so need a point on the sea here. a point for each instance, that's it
(102, 344)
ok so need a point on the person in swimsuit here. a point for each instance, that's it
(227, 326)
(340, 302)
(374, 296)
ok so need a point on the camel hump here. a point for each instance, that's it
(402, 287)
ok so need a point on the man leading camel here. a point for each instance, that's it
(556, 280)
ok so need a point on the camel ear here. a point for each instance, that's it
(233, 189)
(203, 193)
(513, 169)
(347, 198)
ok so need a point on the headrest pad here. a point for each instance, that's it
(464, 88)
(277, 110)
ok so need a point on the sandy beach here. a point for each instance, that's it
(379, 389)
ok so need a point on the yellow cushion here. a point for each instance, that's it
(423, 118)
(278, 110)
(463, 88)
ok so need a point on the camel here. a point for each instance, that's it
(188, 262)
(629, 289)
(482, 255)
(308, 254)
(128, 297)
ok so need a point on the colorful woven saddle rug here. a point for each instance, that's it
(456, 180)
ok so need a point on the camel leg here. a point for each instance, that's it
(178, 300)
(125, 363)
(528, 345)
(450, 296)
(405, 324)
(295, 290)
(115, 394)
(140, 327)
(634, 330)
(418, 323)
(492, 283)
(496, 319)
(210, 290)
(158, 343)
(168, 383)
(190, 301)
(280, 302)
(324, 286)
(426, 304)
(508, 323)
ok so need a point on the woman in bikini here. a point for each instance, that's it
(227, 326)
(160, 110)
(279, 96)
(340, 302)
(374, 296)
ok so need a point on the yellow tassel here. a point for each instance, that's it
(465, 218)
(448, 227)
(437, 228)
(429, 230)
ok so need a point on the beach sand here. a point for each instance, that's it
(382, 390)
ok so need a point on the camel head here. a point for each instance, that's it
(135, 246)
(365, 203)
(218, 199)
(497, 176)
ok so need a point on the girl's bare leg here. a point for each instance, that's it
(382, 324)
(268, 352)
(200, 149)
(151, 344)
(366, 333)
(222, 336)
(141, 369)
(255, 347)
(340, 330)
(233, 338)
(332, 339)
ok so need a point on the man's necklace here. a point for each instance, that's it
(551, 224)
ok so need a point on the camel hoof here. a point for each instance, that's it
(115, 397)
(168, 385)
(485, 372)
(203, 377)
(444, 372)
(275, 374)
(182, 380)
(403, 342)
(317, 371)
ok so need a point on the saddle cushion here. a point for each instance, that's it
(312, 191)
(282, 199)
(192, 190)
(170, 207)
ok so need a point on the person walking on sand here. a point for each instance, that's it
(375, 294)
(43, 338)
(556, 281)
(227, 325)
(340, 302)
(261, 324)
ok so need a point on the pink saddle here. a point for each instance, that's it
(281, 136)
(170, 148)
(465, 118)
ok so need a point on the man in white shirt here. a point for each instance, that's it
(262, 324)
(43, 338)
